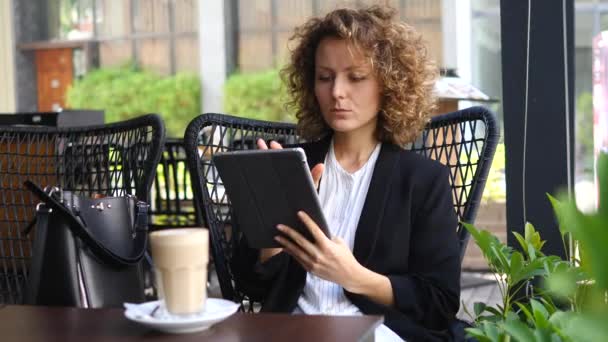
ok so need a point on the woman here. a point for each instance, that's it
(361, 84)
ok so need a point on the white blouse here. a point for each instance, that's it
(342, 196)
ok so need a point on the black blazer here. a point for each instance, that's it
(407, 231)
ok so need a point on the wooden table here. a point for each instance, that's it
(36, 323)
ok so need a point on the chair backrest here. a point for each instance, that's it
(113, 160)
(464, 140)
(172, 201)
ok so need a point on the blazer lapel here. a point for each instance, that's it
(368, 229)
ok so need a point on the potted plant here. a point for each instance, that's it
(571, 301)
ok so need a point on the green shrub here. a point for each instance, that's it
(125, 92)
(257, 95)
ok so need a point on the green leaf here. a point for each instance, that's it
(491, 330)
(510, 315)
(478, 308)
(542, 335)
(532, 269)
(586, 327)
(526, 311)
(562, 282)
(558, 209)
(519, 331)
(560, 319)
(478, 334)
(591, 232)
(532, 251)
(496, 312)
(522, 242)
(548, 304)
(516, 265)
(499, 259)
(540, 313)
(532, 235)
(494, 251)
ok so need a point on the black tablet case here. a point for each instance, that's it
(268, 187)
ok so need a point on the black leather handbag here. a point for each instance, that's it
(87, 252)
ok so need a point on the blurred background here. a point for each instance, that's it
(180, 58)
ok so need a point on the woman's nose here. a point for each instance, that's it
(339, 88)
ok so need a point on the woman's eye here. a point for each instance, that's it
(357, 78)
(324, 78)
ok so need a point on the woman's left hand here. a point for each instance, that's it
(330, 259)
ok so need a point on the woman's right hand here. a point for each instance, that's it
(317, 171)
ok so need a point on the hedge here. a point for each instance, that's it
(125, 92)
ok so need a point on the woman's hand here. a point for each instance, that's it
(330, 259)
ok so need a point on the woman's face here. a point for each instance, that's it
(346, 88)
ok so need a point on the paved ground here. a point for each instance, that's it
(477, 287)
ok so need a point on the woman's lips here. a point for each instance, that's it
(340, 114)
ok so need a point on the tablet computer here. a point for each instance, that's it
(268, 187)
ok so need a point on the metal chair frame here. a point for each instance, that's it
(172, 202)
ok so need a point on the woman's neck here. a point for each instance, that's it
(352, 152)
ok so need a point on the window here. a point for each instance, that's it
(160, 35)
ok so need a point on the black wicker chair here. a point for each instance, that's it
(114, 160)
(172, 202)
(464, 140)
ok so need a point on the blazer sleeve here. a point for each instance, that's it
(429, 292)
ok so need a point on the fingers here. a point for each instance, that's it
(316, 172)
(291, 248)
(317, 233)
(262, 144)
(273, 145)
(298, 239)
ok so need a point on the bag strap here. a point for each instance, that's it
(34, 274)
(140, 241)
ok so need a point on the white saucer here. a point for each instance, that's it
(215, 311)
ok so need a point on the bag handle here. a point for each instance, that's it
(140, 241)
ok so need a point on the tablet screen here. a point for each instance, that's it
(268, 187)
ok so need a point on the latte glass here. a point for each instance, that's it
(180, 259)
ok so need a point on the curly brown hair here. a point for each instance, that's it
(398, 57)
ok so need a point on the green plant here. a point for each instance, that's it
(571, 302)
(257, 95)
(126, 92)
(514, 270)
